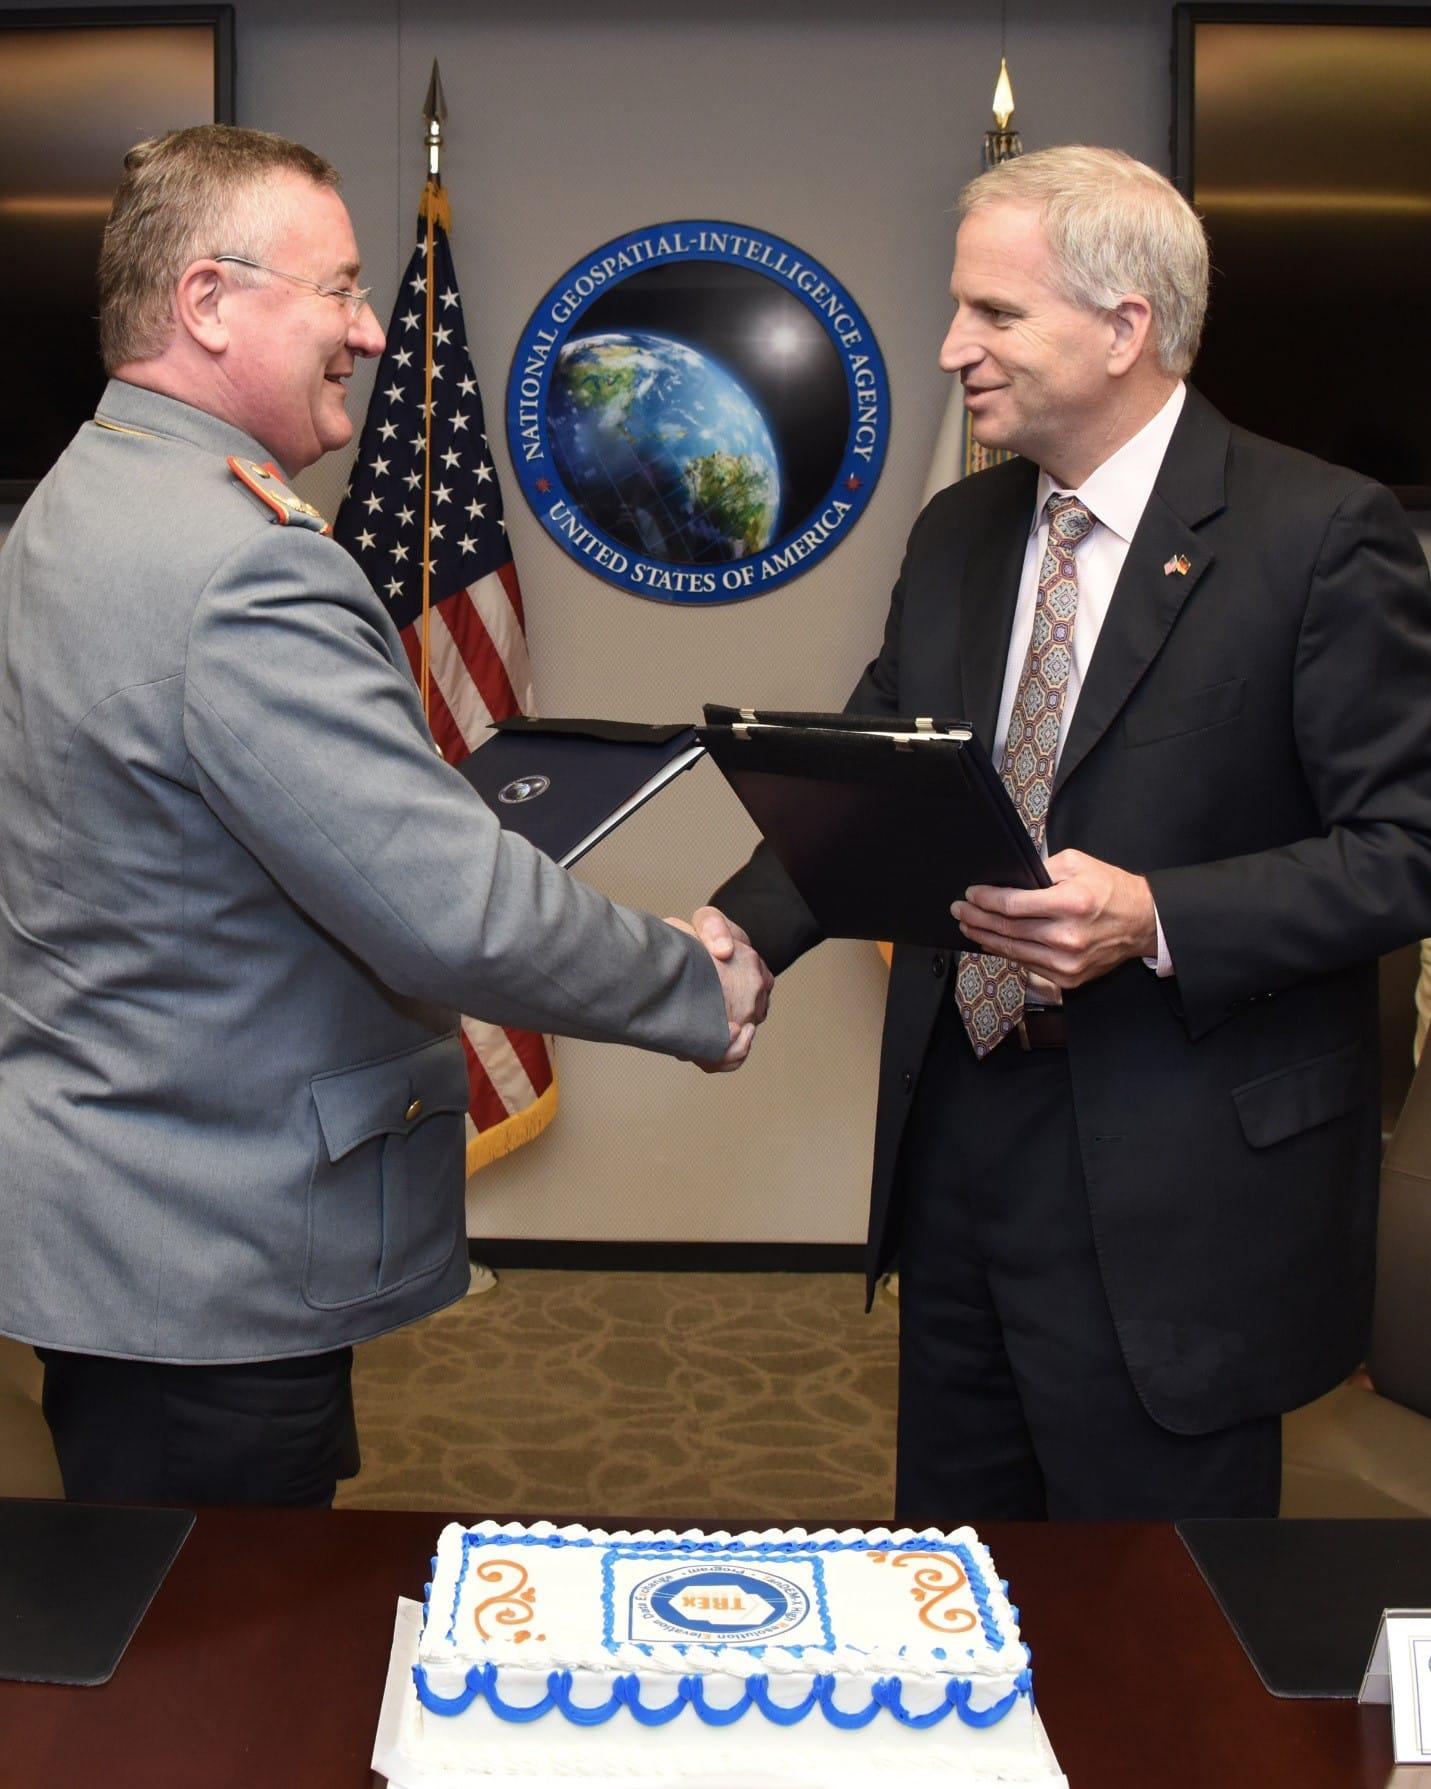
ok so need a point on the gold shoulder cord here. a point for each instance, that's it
(118, 428)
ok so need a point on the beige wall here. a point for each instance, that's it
(846, 127)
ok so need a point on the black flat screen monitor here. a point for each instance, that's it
(77, 89)
(1303, 137)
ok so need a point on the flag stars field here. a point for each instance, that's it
(420, 493)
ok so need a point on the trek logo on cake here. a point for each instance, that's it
(738, 1604)
(698, 412)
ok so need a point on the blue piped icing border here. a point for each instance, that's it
(886, 1693)
(661, 1549)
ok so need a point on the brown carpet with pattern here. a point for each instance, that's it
(745, 1397)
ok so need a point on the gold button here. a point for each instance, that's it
(413, 1111)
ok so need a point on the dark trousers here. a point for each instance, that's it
(264, 1432)
(1014, 1399)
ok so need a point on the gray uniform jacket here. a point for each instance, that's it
(242, 901)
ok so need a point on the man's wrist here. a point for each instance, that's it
(1148, 935)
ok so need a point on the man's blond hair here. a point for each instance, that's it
(208, 190)
(1114, 226)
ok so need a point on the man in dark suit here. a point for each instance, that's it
(1126, 1151)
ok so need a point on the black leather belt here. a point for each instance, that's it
(1043, 1028)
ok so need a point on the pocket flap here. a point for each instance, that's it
(1279, 1105)
(391, 1096)
(1191, 713)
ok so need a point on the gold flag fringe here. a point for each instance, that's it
(491, 1145)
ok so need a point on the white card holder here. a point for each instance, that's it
(1399, 1672)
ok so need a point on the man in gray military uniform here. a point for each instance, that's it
(241, 897)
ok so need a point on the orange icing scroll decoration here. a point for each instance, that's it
(511, 1606)
(934, 1583)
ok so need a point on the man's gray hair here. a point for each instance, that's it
(208, 190)
(1114, 226)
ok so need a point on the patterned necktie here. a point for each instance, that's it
(991, 991)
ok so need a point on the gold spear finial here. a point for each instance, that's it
(434, 112)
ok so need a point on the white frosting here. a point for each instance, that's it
(858, 1607)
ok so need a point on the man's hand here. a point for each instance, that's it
(1095, 917)
(744, 980)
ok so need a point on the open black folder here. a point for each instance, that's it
(879, 823)
(565, 784)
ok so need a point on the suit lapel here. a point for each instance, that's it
(990, 591)
(1152, 587)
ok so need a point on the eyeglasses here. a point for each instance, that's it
(355, 297)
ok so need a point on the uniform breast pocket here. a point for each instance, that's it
(385, 1197)
(1195, 712)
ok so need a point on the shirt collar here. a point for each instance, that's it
(1117, 492)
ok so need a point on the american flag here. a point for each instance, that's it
(478, 666)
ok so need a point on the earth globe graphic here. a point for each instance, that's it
(662, 449)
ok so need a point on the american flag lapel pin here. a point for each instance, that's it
(1179, 564)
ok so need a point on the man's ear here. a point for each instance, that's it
(198, 306)
(1132, 321)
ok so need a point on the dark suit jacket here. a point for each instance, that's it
(1252, 736)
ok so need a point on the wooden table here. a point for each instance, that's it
(269, 1641)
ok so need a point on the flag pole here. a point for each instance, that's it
(435, 210)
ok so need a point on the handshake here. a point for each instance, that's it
(744, 980)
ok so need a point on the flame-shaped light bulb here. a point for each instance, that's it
(1003, 97)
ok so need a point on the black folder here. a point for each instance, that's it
(1305, 1597)
(75, 1580)
(564, 784)
(879, 823)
